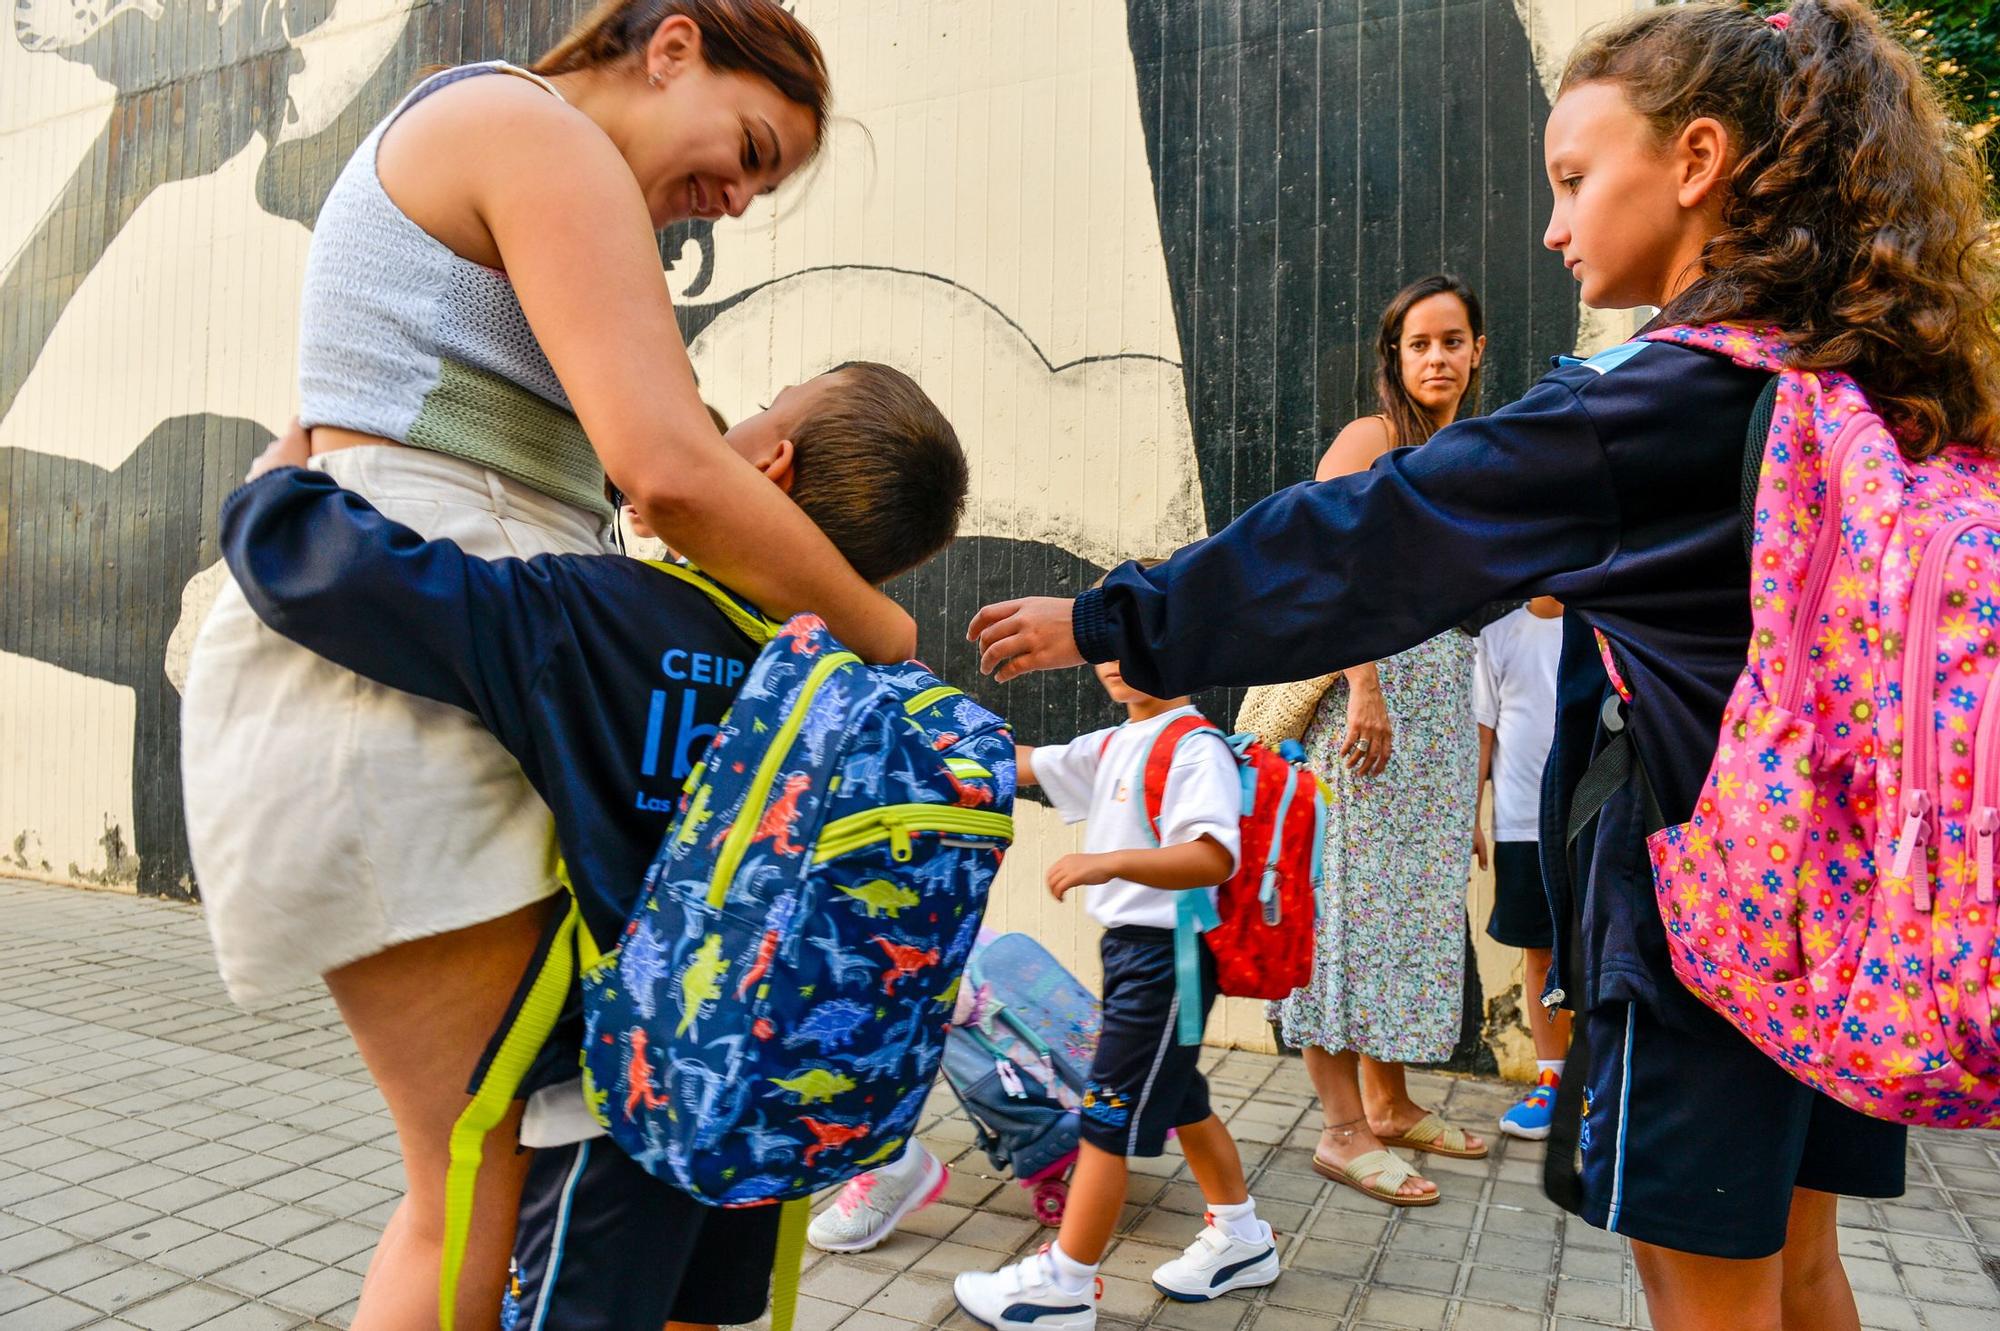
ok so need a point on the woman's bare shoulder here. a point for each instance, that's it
(1355, 448)
(447, 157)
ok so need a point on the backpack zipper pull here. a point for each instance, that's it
(1985, 824)
(1010, 1079)
(1916, 805)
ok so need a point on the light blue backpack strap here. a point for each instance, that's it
(785, 1263)
(1194, 915)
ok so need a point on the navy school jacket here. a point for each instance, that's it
(1613, 485)
(603, 676)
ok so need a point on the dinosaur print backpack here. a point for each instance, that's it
(773, 1016)
(1833, 893)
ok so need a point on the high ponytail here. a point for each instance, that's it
(1855, 213)
(756, 37)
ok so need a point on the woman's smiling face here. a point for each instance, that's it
(705, 143)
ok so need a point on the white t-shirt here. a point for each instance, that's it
(1204, 797)
(1514, 694)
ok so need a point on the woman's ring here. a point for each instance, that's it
(1361, 746)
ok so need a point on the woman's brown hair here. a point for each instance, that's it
(1409, 423)
(1854, 217)
(755, 37)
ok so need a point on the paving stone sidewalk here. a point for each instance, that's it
(167, 1162)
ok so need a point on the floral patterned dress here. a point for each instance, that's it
(1389, 975)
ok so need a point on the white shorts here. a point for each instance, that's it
(330, 817)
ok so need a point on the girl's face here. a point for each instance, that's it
(1631, 213)
(705, 143)
(1438, 353)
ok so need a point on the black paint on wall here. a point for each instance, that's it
(1308, 157)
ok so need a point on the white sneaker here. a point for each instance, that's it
(1214, 1264)
(1026, 1297)
(870, 1207)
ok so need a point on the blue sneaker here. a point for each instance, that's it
(1530, 1118)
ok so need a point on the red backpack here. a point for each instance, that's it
(1262, 927)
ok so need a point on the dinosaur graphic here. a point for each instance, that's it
(639, 1078)
(948, 996)
(827, 1136)
(814, 1086)
(822, 719)
(888, 1150)
(838, 959)
(881, 897)
(642, 964)
(754, 1190)
(905, 961)
(766, 1143)
(701, 982)
(798, 635)
(969, 796)
(883, 1061)
(776, 825)
(775, 923)
(832, 1025)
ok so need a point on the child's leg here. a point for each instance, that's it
(1548, 1026)
(1215, 1162)
(1689, 1292)
(1096, 1197)
(1348, 1136)
(1816, 1292)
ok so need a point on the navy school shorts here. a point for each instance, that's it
(604, 1246)
(1143, 1081)
(1520, 915)
(1695, 1141)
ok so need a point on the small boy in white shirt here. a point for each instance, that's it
(1143, 1081)
(1514, 701)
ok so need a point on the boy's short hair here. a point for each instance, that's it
(879, 469)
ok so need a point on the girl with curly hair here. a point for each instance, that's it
(1794, 171)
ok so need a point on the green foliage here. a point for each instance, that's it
(1959, 42)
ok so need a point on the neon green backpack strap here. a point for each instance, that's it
(751, 622)
(785, 1263)
(528, 1028)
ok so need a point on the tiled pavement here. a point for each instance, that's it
(167, 1162)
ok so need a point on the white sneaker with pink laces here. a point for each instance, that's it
(870, 1207)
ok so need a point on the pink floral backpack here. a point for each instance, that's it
(1833, 894)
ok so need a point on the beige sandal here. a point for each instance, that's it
(1391, 1172)
(1438, 1137)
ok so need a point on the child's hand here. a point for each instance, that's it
(1018, 637)
(1479, 845)
(290, 449)
(1077, 871)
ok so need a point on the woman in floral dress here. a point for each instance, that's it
(1396, 740)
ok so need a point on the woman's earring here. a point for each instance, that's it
(654, 78)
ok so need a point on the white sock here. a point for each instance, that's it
(1072, 1276)
(1554, 1065)
(1240, 1221)
(905, 1166)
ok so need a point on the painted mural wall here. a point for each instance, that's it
(1134, 250)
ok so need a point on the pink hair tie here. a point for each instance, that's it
(1780, 20)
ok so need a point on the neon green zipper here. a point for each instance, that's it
(745, 830)
(897, 823)
(928, 697)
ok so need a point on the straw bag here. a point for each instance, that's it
(1275, 713)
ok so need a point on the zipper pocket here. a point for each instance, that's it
(1986, 787)
(898, 823)
(755, 804)
(1920, 706)
(1820, 571)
